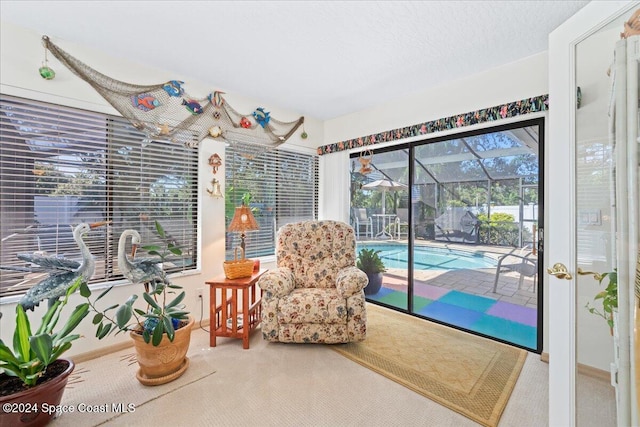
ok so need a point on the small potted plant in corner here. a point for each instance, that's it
(33, 373)
(162, 332)
(369, 261)
(608, 297)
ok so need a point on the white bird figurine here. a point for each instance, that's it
(62, 272)
(146, 271)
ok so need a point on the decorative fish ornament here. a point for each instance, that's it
(261, 116)
(144, 101)
(245, 123)
(216, 98)
(174, 88)
(193, 107)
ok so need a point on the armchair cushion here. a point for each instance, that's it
(314, 305)
(315, 251)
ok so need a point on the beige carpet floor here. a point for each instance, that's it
(106, 388)
(471, 375)
(284, 385)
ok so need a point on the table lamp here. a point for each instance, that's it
(243, 221)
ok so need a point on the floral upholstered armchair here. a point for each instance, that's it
(315, 295)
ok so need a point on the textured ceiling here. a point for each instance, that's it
(322, 59)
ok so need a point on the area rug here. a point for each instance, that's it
(105, 388)
(471, 375)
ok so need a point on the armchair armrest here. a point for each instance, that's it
(278, 282)
(351, 280)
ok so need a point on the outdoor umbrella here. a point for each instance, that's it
(384, 185)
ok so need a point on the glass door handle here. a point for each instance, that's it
(560, 271)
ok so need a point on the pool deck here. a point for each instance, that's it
(477, 281)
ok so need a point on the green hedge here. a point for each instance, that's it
(501, 230)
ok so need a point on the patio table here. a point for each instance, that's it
(384, 219)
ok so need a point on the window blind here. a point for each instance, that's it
(283, 186)
(61, 166)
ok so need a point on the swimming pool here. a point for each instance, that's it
(429, 258)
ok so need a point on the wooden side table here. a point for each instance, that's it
(224, 316)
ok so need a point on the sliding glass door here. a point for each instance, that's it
(379, 214)
(456, 222)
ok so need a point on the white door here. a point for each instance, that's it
(561, 241)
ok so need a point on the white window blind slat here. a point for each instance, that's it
(60, 166)
(283, 186)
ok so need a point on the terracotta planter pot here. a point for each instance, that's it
(165, 362)
(47, 395)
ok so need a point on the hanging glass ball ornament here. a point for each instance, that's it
(47, 73)
(304, 135)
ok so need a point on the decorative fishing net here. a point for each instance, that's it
(166, 112)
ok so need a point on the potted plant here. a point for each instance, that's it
(608, 297)
(164, 251)
(369, 261)
(162, 332)
(33, 374)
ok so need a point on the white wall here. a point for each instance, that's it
(511, 82)
(21, 56)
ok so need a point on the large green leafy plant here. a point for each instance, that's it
(32, 353)
(164, 307)
(369, 261)
(162, 316)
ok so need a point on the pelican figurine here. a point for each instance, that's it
(146, 271)
(62, 272)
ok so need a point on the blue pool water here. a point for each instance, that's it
(428, 258)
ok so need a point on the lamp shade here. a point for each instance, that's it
(243, 220)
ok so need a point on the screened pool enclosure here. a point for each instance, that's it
(457, 221)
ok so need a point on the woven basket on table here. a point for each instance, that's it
(238, 267)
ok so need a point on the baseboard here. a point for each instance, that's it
(592, 372)
(589, 371)
(103, 351)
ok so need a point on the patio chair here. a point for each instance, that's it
(457, 224)
(402, 220)
(524, 263)
(362, 221)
